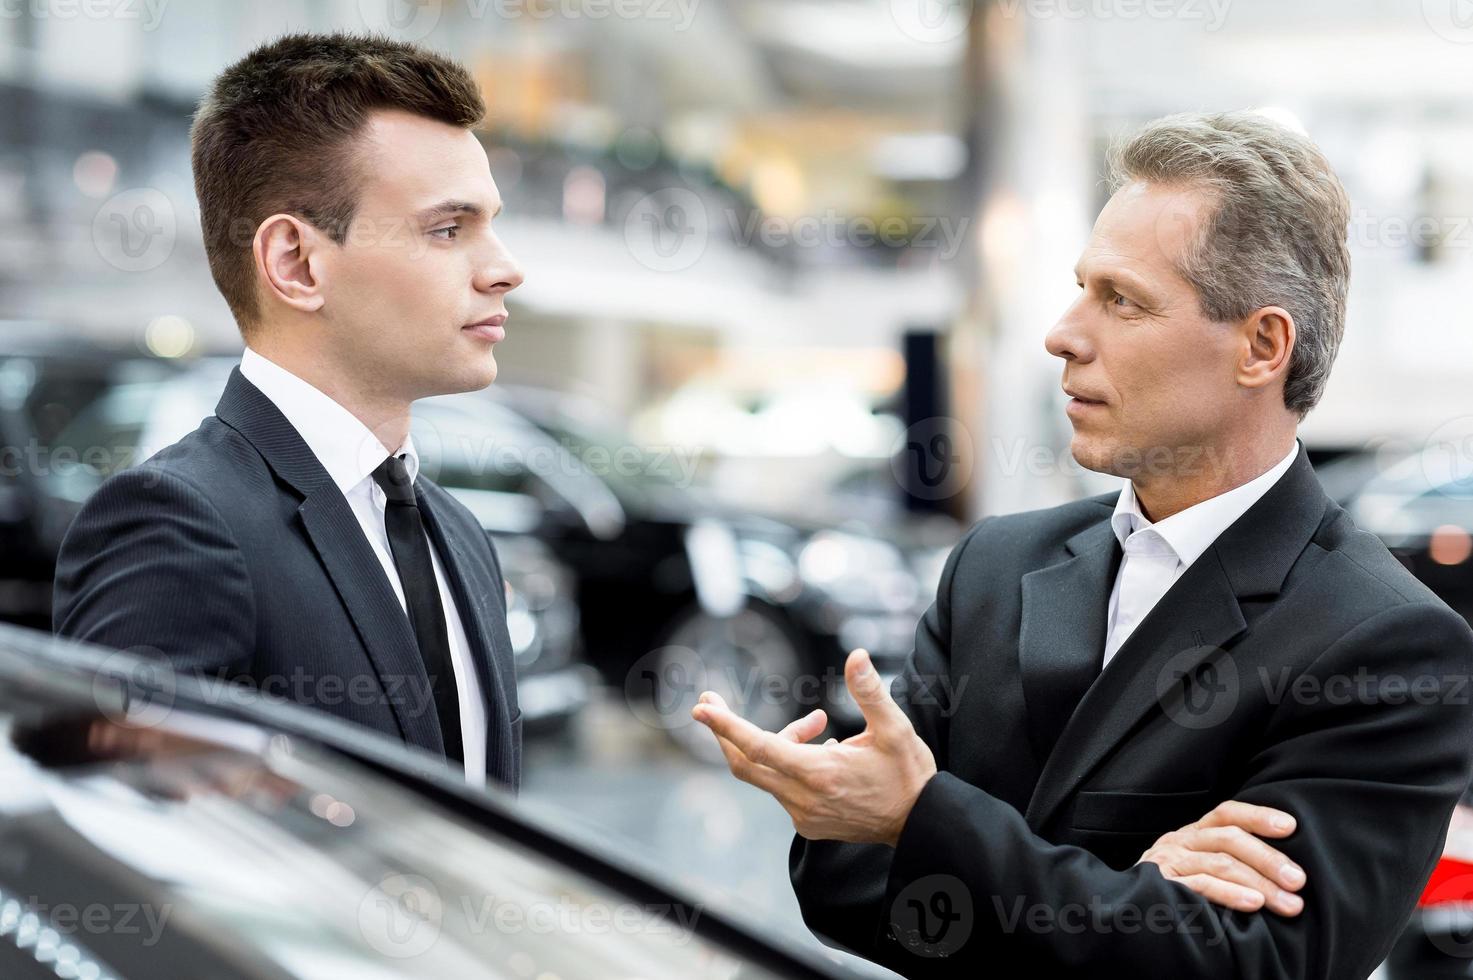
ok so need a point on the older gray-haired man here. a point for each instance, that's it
(1193, 645)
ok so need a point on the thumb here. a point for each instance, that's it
(881, 713)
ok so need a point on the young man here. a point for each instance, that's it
(290, 542)
(1218, 638)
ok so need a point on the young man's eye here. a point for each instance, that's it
(448, 232)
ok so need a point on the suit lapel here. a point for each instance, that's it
(489, 644)
(347, 556)
(1061, 639)
(1181, 641)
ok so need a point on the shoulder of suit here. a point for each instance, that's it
(1383, 579)
(1048, 523)
(214, 459)
(1024, 538)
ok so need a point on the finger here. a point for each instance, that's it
(1228, 869)
(881, 713)
(809, 727)
(762, 748)
(1223, 893)
(1264, 821)
(1262, 858)
(764, 778)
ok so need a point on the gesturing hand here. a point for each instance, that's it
(860, 790)
(1220, 858)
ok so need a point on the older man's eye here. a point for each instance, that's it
(1122, 301)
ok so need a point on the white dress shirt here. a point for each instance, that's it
(350, 452)
(1157, 554)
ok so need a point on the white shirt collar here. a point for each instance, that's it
(345, 447)
(1190, 532)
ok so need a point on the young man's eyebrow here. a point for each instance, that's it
(446, 208)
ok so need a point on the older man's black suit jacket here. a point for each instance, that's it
(1295, 664)
(233, 553)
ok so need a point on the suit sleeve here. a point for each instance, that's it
(150, 566)
(1370, 763)
(841, 887)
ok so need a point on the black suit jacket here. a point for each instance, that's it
(233, 553)
(1295, 664)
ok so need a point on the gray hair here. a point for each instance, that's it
(1276, 235)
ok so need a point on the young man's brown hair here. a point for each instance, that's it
(275, 133)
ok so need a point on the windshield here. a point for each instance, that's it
(236, 852)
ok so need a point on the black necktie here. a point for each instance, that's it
(411, 550)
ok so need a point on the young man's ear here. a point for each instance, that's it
(288, 267)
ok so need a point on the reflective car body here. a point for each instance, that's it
(153, 825)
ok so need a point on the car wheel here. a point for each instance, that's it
(751, 659)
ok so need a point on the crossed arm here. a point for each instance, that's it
(1370, 787)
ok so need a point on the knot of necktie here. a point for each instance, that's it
(392, 476)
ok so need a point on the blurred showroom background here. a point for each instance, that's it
(789, 264)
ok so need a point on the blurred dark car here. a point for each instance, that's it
(46, 378)
(760, 607)
(1420, 504)
(676, 594)
(152, 826)
(1421, 507)
(72, 413)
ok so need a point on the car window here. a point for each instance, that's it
(284, 860)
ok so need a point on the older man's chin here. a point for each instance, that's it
(1095, 453)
